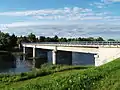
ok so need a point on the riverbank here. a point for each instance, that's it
(105, 77)
(46, 69)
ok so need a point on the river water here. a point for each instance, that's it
(21, 64)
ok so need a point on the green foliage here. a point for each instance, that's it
(32, 37)
(99, 39)
(7, 42)
(42, 39)
(13, 40)
(4, 40)
(111, 40)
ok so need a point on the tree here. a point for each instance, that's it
(48, 39)
(32, 37)
(4, 40)
(99, 39)
(42, 39)
(55, 39)
(90, 39)
(62, 40)
(110, 40)
(13, 40)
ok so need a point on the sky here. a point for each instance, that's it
(65, 18)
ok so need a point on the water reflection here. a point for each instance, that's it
(16, 66)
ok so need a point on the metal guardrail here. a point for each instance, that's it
(78, 43)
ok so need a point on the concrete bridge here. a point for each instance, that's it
(103, 52)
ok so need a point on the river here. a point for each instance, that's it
(21, 64)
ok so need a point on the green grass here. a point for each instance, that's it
(46, 69)
(106, 77)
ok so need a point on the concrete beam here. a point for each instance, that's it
(67, 48)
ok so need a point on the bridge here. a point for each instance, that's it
(102, 51)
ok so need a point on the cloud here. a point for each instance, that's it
(74, 30)
(66, 22)
(98, 4)
(62, 15)
(66, 13)
(46, 12)
(103, 3)
(110, 1)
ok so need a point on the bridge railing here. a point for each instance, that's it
(78, 43)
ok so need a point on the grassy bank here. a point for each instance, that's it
(46, 69)
(105, 77)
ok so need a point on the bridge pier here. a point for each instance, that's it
(96, 58)
(34, 52)
(54, 58)
(24, 50)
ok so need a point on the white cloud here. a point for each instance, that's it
(66, 13)
(63, 16)
(45, 12)
(103, 3)
(74, 30)
(98, 4)
(110, 1)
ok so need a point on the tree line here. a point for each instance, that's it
(8, 42)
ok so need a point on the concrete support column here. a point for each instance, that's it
(34, 52)
(54, 57)
(24, 50)
(96, 60)
(24, 58)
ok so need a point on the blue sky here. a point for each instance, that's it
(85, 17)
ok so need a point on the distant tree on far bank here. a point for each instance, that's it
(32, 37)
(63, 40)
(13, 40)
(42, 39)
(55, 38)
(111, 40)
(4, 40)
(100, 39)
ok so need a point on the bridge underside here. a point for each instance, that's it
(61, 57)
